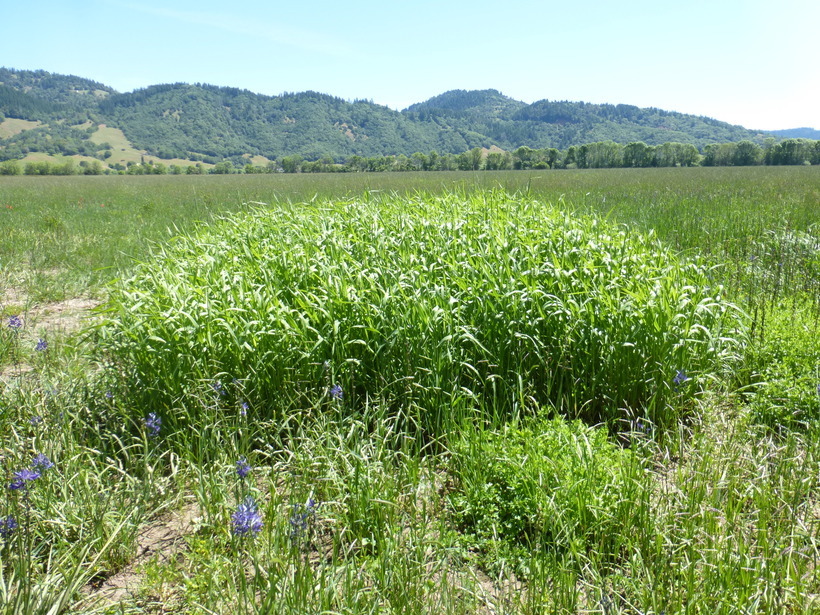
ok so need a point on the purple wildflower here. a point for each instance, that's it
(336, 392)
(15, 322)
(219, 389)
(243, 408)
(42, 462)
(42, 345)
(247, 519)
(302, 517)
(23, 477)
(243, 468)
(680, 378)
(153, 424)
(7, 526)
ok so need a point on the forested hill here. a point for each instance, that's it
(192, 121)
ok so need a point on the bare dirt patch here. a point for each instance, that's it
(55, 318)
(46, 321)
(64, 316)
(162, 539)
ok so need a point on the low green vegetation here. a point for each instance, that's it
(577, 392)
(553, 487)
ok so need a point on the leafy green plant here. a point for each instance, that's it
(553, 486)
(785, 369)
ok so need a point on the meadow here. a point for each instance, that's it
(490, 392)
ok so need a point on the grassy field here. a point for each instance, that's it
(557, 392)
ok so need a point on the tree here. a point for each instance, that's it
(747, 154)
(222, 168)
(93, 168)
(523, 157)
(638, 155)
(291, 164)
(495, 161)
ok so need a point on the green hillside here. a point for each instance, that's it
(209, 123)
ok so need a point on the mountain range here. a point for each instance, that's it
(62, 113)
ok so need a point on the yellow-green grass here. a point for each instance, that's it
(12, 126)
(55, 159)
(425, 303)
(123, 152)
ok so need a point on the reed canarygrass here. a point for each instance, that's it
(427, 305)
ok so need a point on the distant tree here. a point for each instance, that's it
(37, 168)
(291, 164)
(497, 161)
(10, 167)
(719, 154)
(356, 164)
(222, 168)
(747, 154)
(638, 155)
(523, 157)
(794, 151)
(65, 168)
(419, 162)
(464, 162)
(94, 167)
(476, 158)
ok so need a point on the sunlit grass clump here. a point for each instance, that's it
(553, 487)
(427, 305)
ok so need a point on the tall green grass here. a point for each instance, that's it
(717, 516)
(427, 305)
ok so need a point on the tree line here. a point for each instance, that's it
(599, 155)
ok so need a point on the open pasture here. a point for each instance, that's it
(361, 393)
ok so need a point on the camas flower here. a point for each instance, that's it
(302, 517)
(680, 378)
(219, 389)
(42, 462)
(15, 322)
(23, 477)
(42, 345)
(7, 526)
(247, 519)
(336, 392)
(243, 468)
(153, 424)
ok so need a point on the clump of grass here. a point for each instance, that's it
(784, 368)
(427, 304)
(545, 490)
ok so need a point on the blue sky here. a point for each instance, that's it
(748, 62)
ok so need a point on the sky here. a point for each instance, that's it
(755, 63)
